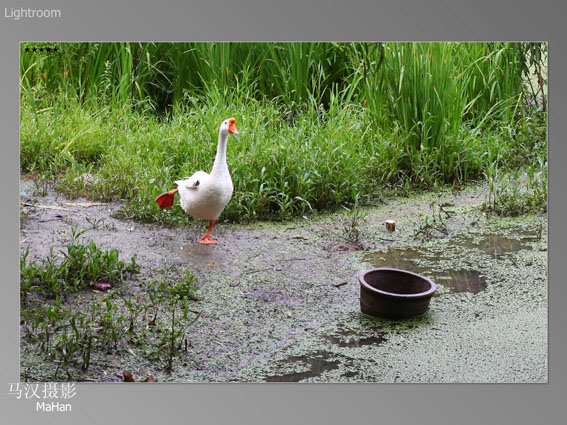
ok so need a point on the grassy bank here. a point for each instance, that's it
(321, 125)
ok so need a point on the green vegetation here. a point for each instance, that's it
(516, 193)
(352, 226)
(172, 336)
(322, 125)
(82, 265)
(429, 226)
(155, 322)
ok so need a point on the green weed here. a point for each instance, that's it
(69, 336)
(516, 193)
(82, 264)
(172, 298)
(429, 226)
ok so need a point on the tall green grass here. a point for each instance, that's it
(166, 73)
(322, 124)
(427, 89)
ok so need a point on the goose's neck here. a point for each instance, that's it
(220, 166)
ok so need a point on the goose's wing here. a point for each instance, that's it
(194, 181)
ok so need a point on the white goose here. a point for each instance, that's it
(205, 195)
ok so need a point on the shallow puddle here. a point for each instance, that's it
(201, 256)
(318, 361)
(423, 261)
(496, 245)
(344, 339)
(399, 259)
(461, 280)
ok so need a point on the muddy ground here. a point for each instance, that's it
(280, 301)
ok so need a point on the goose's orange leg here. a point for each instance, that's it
(207, 238)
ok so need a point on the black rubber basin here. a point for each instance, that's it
(394, 293)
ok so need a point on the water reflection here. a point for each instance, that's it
(344, 339)
(318, 362)
(423, 261)
(461, 280)
(201, 256)
(495, 245)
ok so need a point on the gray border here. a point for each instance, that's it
(289, 20)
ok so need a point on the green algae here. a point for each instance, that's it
(279, 305)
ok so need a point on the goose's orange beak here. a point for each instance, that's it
(232, 126)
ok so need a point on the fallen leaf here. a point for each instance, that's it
(128, 376)
(101, 286)
(211, 265)
(150, 378)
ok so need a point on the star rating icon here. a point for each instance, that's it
(47, 49)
